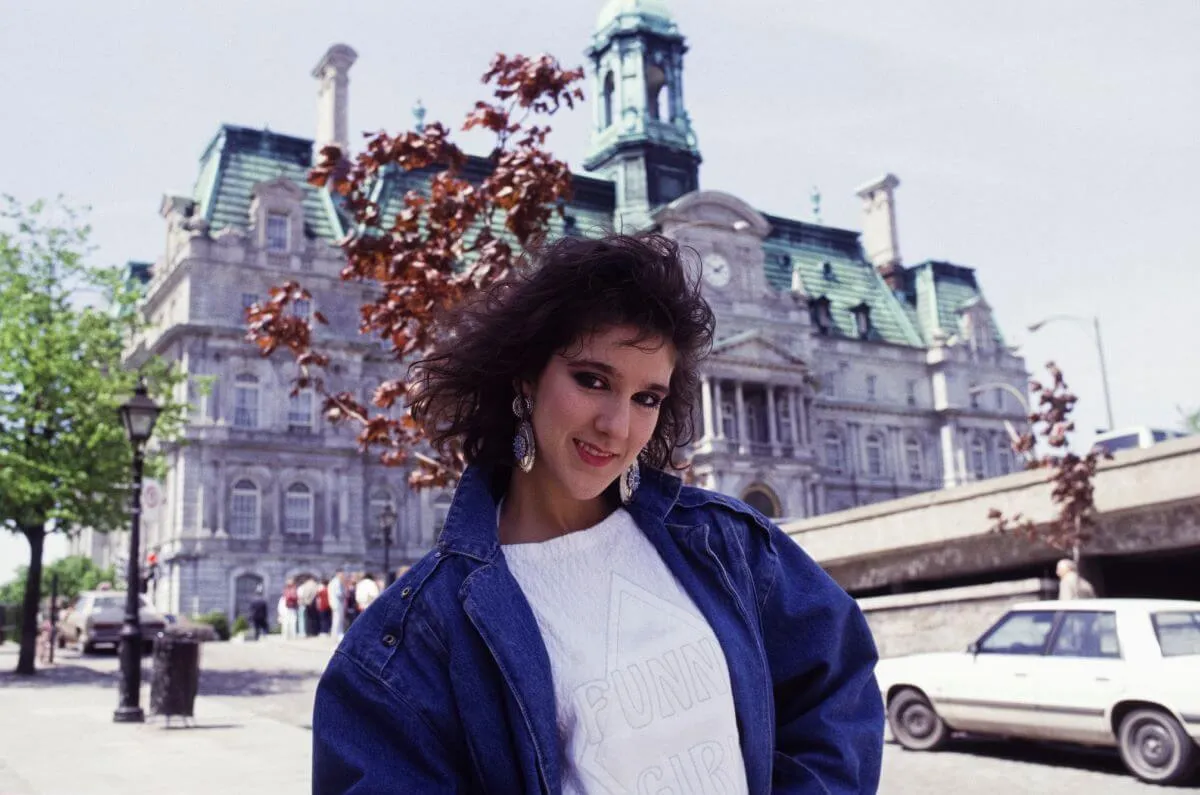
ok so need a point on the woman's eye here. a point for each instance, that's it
(649, 400)
(589, 381)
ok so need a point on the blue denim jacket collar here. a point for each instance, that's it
(471, 530)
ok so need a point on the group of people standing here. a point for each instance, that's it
(317, 606)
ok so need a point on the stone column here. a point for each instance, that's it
(852, 454)
(706, 406)
(948, 438)
(719, 403)
(772, 421)
(222, 499)
(805, 419)
(740, 410)
(798, 441)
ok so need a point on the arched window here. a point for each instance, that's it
(298, 510)
(913, 461)
(244, 588)
(243, 510)
(656, 97)
(609, 91)
(835, 457)
(875, 455)
(245, 401)
(762, 499)
(978, 458)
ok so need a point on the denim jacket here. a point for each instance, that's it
(444, 683)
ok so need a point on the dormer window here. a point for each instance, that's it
(827, 271)
(862, 320)
(278, 232)
(822, 315)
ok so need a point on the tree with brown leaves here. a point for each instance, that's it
(1070, 474)
(447, 242)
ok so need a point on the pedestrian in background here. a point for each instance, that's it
(1071, 584)
(289, 615)
(324, 614)
(337, 605)
(308, 606)
(366, 592)
(352, 598)
(258, 613)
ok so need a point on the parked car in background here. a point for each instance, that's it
(96, 618)
(1133, 438)
(1121, 673)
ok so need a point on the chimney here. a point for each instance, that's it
(880, 239)
(333, 98)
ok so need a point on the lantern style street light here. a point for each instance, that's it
(387, 521)
(138, 415)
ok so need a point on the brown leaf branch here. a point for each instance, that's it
(444, 243)
(1070, 475)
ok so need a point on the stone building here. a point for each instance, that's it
(841, 376)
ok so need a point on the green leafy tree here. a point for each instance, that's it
(64, 458)
(76, 573)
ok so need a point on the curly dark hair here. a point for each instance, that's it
(566, 290)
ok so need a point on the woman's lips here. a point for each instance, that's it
(591, 456)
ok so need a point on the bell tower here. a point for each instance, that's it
(642, 138)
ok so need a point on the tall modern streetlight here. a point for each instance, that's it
(138, 414)
(387, 521)
(1095, 324)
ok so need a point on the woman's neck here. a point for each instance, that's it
(534, 511)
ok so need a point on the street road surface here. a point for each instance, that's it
(274, 682)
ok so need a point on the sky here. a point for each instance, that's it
(1051, 146)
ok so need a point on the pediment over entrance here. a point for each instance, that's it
(757, 348)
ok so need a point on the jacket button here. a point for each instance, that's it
(389, 640)
(405, 591)
(437, 554)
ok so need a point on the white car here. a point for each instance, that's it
(1101, 672)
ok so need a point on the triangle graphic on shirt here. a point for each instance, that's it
(642, 624)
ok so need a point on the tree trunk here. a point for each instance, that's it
(36, 534)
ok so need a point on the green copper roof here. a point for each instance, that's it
(940, 290)
(830, 264)
(239, 158)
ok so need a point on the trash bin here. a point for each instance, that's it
(176, 674)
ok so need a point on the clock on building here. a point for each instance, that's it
(716, 270)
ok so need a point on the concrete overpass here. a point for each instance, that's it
(1147, 542)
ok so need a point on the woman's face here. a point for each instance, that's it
(595, 407)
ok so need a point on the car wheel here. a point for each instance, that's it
(915, 723)
(85, 645)
(1155, 748)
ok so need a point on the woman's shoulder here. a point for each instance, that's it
(693, 499)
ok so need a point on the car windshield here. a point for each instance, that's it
(1178, 632)
(115, 600)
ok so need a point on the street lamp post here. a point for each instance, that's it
(138, 415)
(1094, 321)
(387, 520)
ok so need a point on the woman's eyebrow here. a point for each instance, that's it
(610, 371)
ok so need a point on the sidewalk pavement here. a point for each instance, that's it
(57, 737)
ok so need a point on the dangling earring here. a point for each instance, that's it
(629, 481)
(524, 448)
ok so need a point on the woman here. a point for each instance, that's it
(585, 623)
